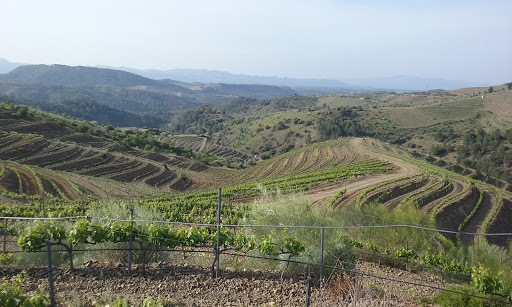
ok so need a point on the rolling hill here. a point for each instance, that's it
(46, 86)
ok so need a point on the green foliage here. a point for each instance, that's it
(405, 253)
(21, 111)
(357, 244)
(293, 246)
(450, 299)
(13, 294)
(86, 232)
(294, 209)
(197, 121)
(37, 234)
(375, 214)
(120, 302)
(244, 242)
(336, 197)
(482, 281)
(487, 152)
(6, 259)
(440, 150)
(338, 123)
(243, 105)
(267, 246)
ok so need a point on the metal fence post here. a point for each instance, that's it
(50, 272)
(407, 256)
(5, 235)
(308, 284)
(130, 244)
(217, 250)
(42, 203)
(321, 254)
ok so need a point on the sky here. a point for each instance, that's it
(457, 40)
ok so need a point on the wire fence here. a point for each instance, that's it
(216, 250)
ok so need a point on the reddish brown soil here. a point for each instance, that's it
(111, 168)
(59, 156)
(432, 200)
(190, 285)
(24, 150)
(501, 224)
(394, 202)
(181, 183)
(452, 214)
(475, 224)
(30, 186)
(63, 186)
(161, 178)
(83, 139)
(79, 164)
(354, 188)
(10, 181)
(42, 128)
(138, 173)
(48, 187)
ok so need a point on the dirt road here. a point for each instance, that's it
(354, 187)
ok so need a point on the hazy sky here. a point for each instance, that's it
(464, 40)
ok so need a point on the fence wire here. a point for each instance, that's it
(207, 249)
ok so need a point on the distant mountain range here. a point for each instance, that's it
(215, 76)
(395, 83)
(301, 86)
(414, 83)
(67, 89)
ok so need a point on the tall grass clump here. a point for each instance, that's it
(376, 214)
(295, 209)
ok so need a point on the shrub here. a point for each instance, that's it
(13, 294)
(295, 209)
(455, 299)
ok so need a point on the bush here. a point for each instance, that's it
(295, 209)
(455, 299)
(13, 294)
(374, 214)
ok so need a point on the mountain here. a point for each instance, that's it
(216, 76)
(411, 83)
(51, 87)
(6, 66)
(80, 76)
(75, 76)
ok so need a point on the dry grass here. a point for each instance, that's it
(349, 293)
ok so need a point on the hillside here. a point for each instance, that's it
(52, 165)
(68, 160)
(46, 86)
(71, 154)
(435, 126)
(75, 76)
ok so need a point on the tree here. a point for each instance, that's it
(490, 90)
(21, 111)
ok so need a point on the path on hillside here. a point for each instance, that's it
(354, 187)
(203, 144)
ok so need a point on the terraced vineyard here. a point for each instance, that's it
(62, 165)
(456, 202)
(205, 145)
(60, 150)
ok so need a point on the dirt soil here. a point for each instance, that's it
(402, 169)
(193, 286)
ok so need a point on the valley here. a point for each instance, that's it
(360, 160)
